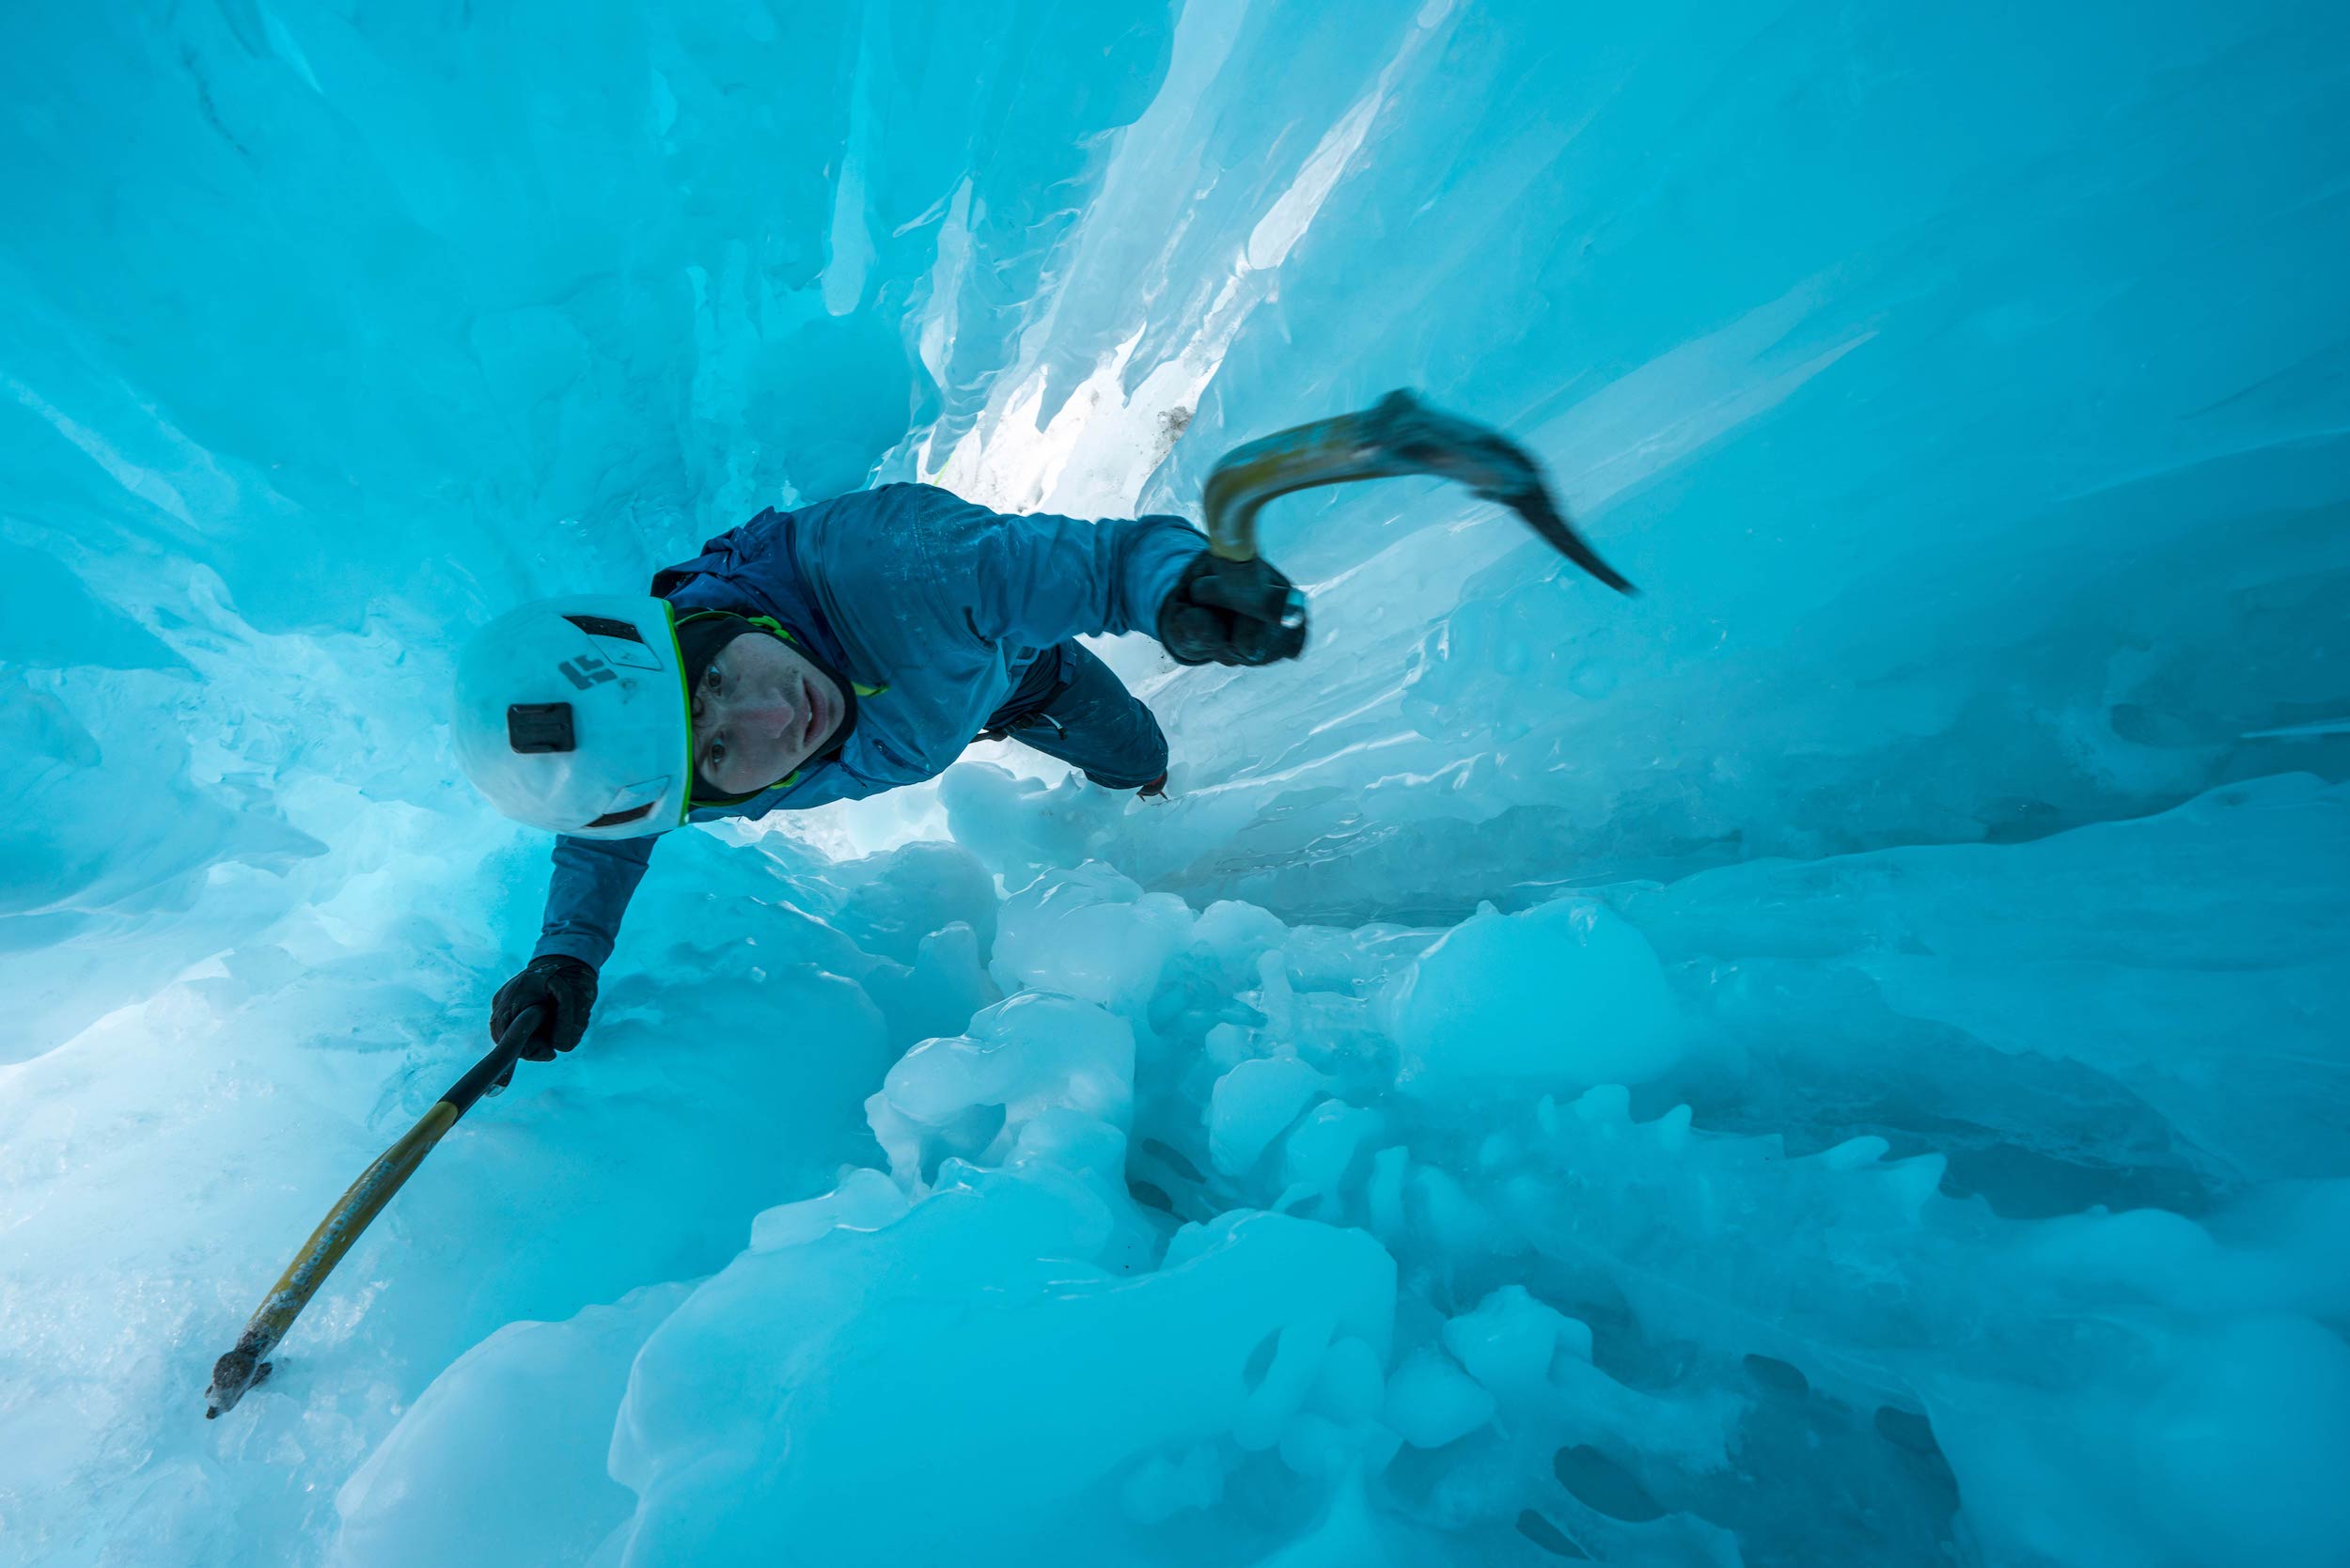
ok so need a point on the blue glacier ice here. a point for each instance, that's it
(1837, 1059)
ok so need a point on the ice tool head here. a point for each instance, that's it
(572, 715)
(1398, 436)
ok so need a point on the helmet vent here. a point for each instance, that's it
(614, 819)
(535, 728)
(604, 626)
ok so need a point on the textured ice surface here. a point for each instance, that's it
(1840, 1058)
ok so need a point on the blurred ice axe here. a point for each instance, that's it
(242, 1370)
(1398, 436)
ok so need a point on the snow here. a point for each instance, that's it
(1838, 1059)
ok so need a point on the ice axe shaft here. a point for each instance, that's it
(1398, 436)
(238, 1372)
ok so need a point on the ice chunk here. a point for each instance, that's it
(1507, 1343)
(973, 1094)
(1432, 1402)
(1227, 1045)
(1350, 1385)
(890, 903)
(938, 994)
(1238, 934)
(865, 1201)
(1090, 934)
(763, 1416)
(1162, 1487)
(1018, 827)
(1322, 1149)
(502, 1459)
(1252, 1104)
(1281, 1373)
(1563, 996)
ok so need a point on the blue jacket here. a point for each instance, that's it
(906, 587)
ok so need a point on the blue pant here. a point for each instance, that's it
(1070, 706)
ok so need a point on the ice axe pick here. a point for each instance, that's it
(1396, 437)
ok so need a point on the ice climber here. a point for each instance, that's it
(825, 654)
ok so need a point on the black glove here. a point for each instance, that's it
(564, 986)
(1232, 613)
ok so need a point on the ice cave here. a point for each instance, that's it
(1836, 1058)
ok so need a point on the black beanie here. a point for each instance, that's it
(699, 636)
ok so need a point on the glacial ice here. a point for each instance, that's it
(1839, 1059)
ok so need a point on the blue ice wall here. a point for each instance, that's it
(1838, 1059)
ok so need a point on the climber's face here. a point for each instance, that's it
(760, 711)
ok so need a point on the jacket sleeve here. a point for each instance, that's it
(1038, 579)
(594, 879)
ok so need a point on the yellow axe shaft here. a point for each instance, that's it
(235, 1373)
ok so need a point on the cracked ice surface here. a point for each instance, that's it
(1837, 1059)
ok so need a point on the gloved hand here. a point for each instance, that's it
(1232, 613)
(565, 986)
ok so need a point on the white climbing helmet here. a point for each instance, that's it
(572, 715)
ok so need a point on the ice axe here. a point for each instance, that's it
(241, 1371)
(1396, 437)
